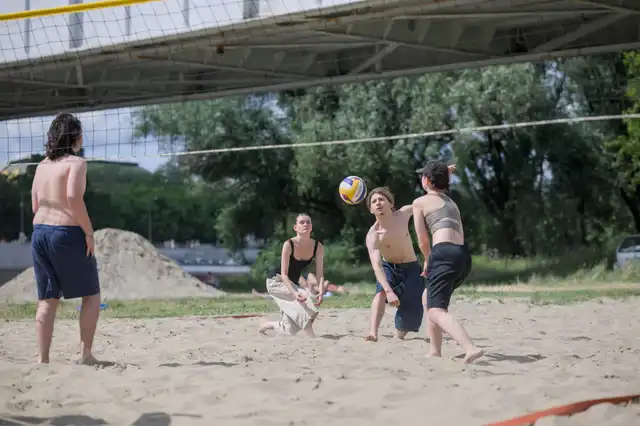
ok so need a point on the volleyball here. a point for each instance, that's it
(352, 190)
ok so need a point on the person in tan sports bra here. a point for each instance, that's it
(447, 261)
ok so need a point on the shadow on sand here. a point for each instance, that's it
(147, 419)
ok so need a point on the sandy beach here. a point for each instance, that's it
(204, 371)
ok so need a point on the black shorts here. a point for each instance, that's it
(449, 265)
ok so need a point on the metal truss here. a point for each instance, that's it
(355, 42)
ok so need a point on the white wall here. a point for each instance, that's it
(39, 37)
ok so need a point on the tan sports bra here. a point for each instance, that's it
(448, 216)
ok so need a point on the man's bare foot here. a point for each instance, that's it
(263, 328)
(88, 360)
(371, 338)
(43, 360)
(472, 355)
(401, 334)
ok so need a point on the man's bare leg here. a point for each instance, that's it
(401, 334)
(377, 312)
(435, 339)
(434, 332)
(45, 317)
(452, 326)
(89, 314)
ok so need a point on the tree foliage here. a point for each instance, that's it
(526, 190)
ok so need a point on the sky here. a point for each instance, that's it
(109, 133)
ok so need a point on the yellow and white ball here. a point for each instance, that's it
(352, 190)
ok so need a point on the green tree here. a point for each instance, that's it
(255, 188)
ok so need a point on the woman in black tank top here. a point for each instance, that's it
(297, 254)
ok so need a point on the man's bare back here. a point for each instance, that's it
(50, 191)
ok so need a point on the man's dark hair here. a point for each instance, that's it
(64, 132)
(438, 174)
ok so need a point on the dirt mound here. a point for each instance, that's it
(130, 268)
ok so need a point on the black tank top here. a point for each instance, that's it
(296, 266)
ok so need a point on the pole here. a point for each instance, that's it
(21, 214)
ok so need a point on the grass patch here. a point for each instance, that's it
(577, 267)
(237, 305)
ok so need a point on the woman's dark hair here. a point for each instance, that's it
(302, 214)
(438, 174)
(64, 132)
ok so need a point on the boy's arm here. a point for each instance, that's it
(376, 261)
(407, 211)
(34, 195)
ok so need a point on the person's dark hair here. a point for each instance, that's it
(438, 174)
(64, 132)
(384, 191)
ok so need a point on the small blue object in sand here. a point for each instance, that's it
(102, 306)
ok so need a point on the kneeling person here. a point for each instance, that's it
(297, 308)
(395, 265)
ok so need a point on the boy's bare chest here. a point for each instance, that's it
(392, 236)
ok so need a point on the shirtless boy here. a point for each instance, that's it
(62, 241)
(395, 266)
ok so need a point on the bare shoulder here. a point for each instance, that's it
(406, 210)
(76, 165)
(76, 160)
(419, 202)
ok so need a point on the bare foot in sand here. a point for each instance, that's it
(264, 327)
(43, 360)
(472, 355)
(401, 334)
(88, 360)
(433, 354)
(256, 293)
(371, 338)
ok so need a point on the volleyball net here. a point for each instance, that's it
(151, 79)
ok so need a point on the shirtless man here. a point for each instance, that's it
(447, 260)
(395, 266)
(62, 240)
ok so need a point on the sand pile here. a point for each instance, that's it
(130, 268)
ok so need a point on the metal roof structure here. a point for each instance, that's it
(350, 42)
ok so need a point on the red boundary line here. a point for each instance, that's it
(564, 410)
